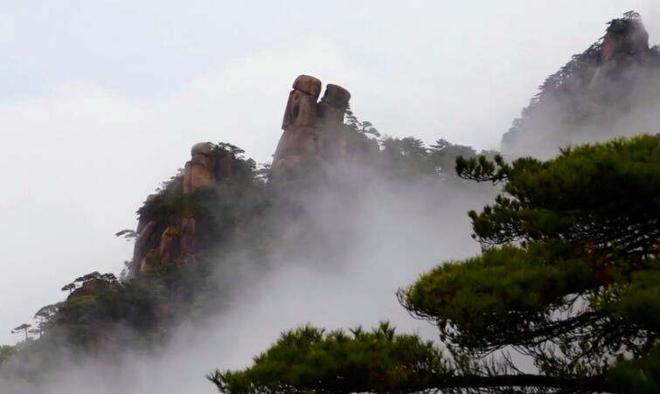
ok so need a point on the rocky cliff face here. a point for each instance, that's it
(170, 231)
(609, 90)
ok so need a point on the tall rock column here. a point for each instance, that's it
(306, 122)
(300, 124)
(333, 105)
(334, 144)
(198, 172)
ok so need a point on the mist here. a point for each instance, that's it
(364, 236)
(546, 133)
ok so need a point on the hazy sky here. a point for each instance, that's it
(101, 100)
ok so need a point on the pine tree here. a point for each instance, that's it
(569, 277)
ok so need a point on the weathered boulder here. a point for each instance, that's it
(301, 107)
(201, 148)
(308, 84)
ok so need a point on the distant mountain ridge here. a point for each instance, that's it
(610, 89)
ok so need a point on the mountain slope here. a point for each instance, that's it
(609, 90)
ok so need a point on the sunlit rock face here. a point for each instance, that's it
(609, 90)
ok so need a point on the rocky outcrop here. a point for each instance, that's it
(169, 234)
(333, 104)
(198, 172)
(315, 129)
(609, 90)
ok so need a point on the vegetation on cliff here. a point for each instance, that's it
(608, 90)
(104, 314)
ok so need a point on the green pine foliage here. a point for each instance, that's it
(310, 360)
(605, 195)
(506, 296)
(409, 157)
(569, 277)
